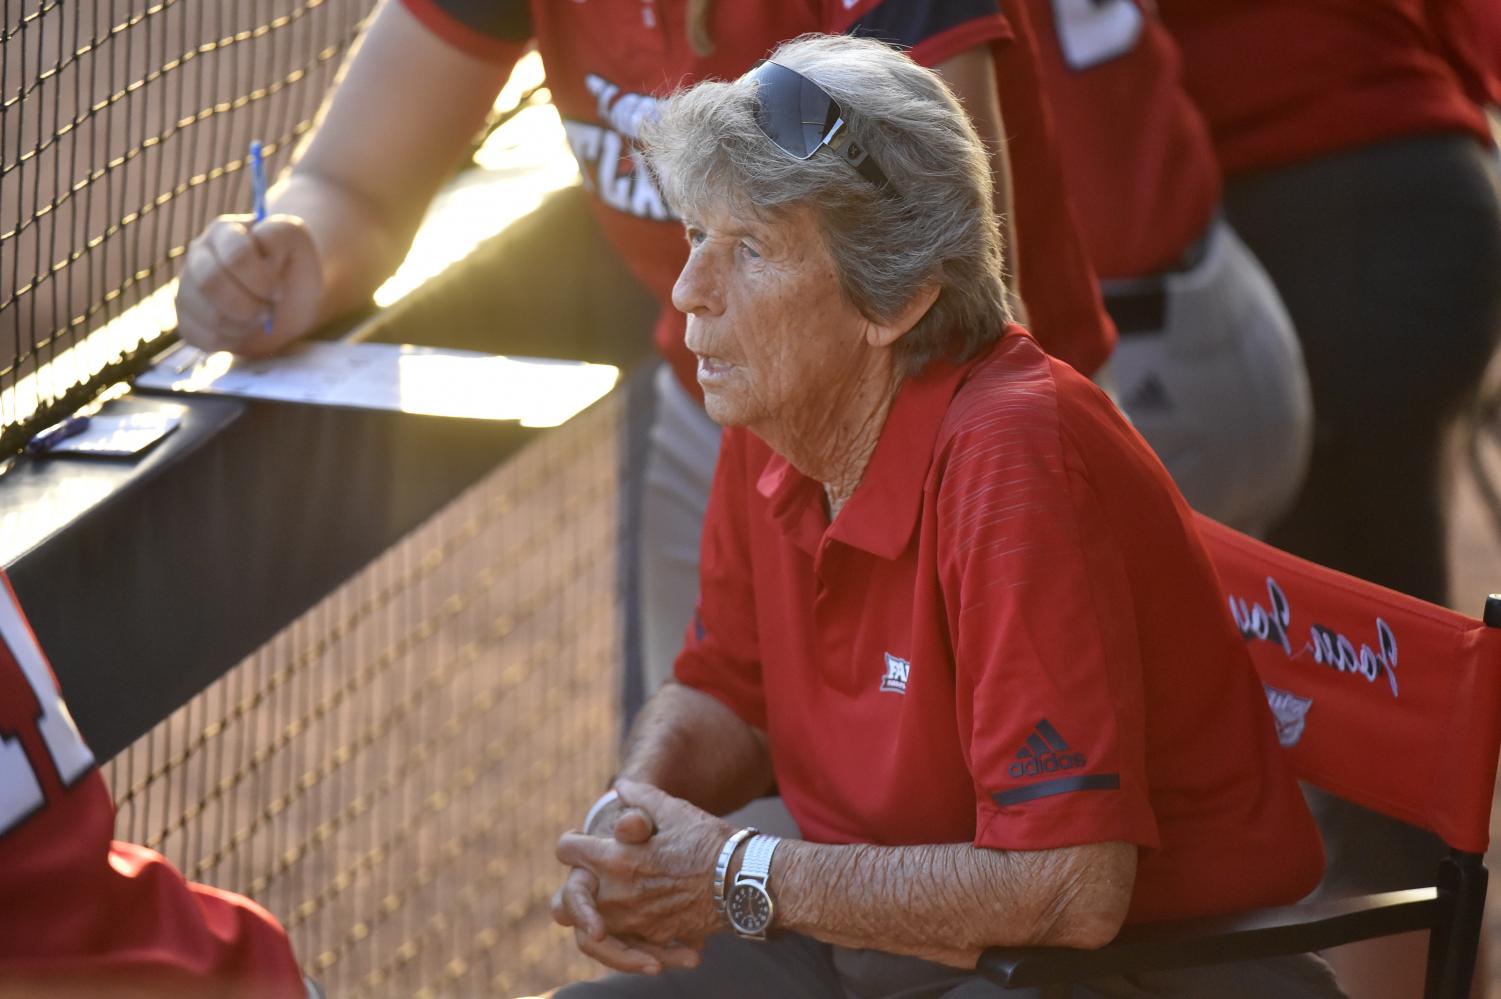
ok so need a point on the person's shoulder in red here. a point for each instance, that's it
(83, 915)
(495, 32)
(1040, 467)
(932, 30)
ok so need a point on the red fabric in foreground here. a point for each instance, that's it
(1383, 699)
(80, 914)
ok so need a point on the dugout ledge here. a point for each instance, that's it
(145, 581)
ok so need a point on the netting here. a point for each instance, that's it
(123, 129)
(389, 775)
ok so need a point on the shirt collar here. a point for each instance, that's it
(882, 514)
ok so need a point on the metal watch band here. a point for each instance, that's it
(605, 801)
(722, 865)
(755, 870)
(757, 863)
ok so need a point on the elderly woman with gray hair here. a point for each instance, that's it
(951, 607)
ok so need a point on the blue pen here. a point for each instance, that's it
(258, 194)
(56, 434)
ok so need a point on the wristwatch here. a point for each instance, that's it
(597, 809)
(749, 905)
(722, 865)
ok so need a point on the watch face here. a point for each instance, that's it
(749, 908)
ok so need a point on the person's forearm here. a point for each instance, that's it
(972, 76)
(693, 747)
(949, 902)
(394, 128)
(358, 246)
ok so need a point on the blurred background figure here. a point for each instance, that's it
(419, 86)
(1207, 365)
(1486, 22)
(1360, 169)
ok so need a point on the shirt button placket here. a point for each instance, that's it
(833, 638)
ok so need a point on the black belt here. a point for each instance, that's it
(1143, 308)
(1138, 312)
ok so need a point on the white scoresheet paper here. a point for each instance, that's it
(537, 392)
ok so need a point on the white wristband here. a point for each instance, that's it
(722, 865)
(605, 801)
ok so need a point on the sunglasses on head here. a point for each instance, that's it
(797, 115)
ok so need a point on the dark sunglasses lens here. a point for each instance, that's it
(794, 112)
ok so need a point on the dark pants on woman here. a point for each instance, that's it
(798, 967)
(1389, 261)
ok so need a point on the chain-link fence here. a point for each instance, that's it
(389, 775)
(115, 119)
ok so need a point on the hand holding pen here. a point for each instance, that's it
(250, 283)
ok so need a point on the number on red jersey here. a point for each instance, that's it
(1094, 31)
(21, 792)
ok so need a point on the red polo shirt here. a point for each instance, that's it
(971, 651)
(608, 64)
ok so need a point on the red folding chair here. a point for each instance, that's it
(1382, 699)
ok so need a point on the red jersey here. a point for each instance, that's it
(80, 914)
(609, 63)
(1137, 157)
(970, 651)
(1283, 81)
(1472, 31)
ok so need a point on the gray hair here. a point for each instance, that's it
(934, 221)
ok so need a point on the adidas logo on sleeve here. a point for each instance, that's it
(1045, 753)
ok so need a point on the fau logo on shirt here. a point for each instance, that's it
(897, 673)
(608, 159)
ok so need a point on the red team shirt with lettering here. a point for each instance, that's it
(608, 64)
(1137, 158)
(1343, 74)
(969, 651)
(80, 913)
